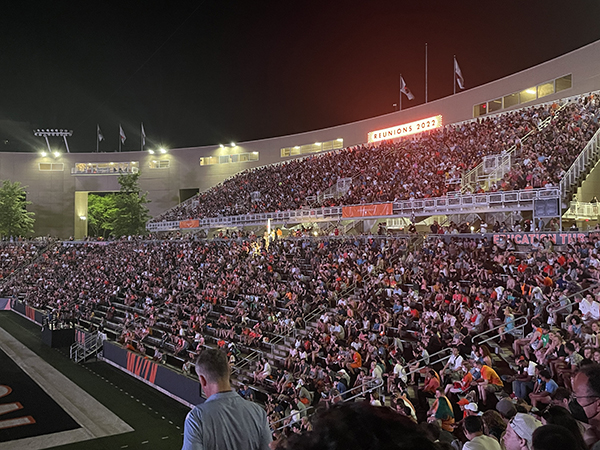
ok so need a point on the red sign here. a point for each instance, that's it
(189, 223)
(382, 209)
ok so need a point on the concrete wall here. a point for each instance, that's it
(53, 193)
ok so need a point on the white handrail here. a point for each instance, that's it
(501, 200)
(588, 154)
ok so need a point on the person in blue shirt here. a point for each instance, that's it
(225, 420)
(544, 396)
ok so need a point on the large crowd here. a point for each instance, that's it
(466, 340)
(389, 309)
(424, 166)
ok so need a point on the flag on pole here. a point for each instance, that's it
(122, 134)
(100, 135)
(143, 135)
(405, 90)
(459, 76)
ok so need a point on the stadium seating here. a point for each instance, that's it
(428, 165)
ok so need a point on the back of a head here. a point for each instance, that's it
(213, 365)
(557, 415)
(554, 437)
(431, 430)
(473, 424)
(561, 394)
(359, 426)
(592, 372)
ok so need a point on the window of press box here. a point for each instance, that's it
(480, 110)
(159, 164)
(51, 167)
(494, 105)
(229, 159)
(316, 147)
(563, 83)
(527, 95)
(545, 89)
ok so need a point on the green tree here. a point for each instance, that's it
(102, 211)
(15, 220)
(131, 212)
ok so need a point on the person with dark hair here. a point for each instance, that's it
(554, 437)
(544, 396)
(473, 428)
(489, 383)
(442, 410)
(586, 391)
(557, 415)
(359, 426)
(494, 424)
(224, 420)
(562, 397)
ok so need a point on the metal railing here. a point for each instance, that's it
(362, 392)
(258, 353)
(588, 156)
(485, 202)
(581, 210)
(443, 358)
(80, 351)
(515, 327)
(502, 164)
(570, 304)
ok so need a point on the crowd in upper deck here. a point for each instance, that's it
(426, 165)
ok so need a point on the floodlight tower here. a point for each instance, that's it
(56, 133)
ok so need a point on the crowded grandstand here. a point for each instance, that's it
(463, 332)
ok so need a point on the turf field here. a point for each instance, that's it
(157, 420)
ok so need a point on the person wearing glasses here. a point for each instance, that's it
(586, 391)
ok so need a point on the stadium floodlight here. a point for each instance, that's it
(233, 144)
(56, 154)
(151, 152)
(54, 133)
(221, 145)
(163, 150)
(43, 153)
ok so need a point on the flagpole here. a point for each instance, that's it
(454, 70)
(425, 72)
(400, 100)
(97, 138)
(120, 138)
(142, 138)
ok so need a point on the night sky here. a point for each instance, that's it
(209, 72)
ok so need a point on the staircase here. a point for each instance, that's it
(494, 167)
(80, 351)
(581, 167)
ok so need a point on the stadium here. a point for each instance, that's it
(434, 270)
